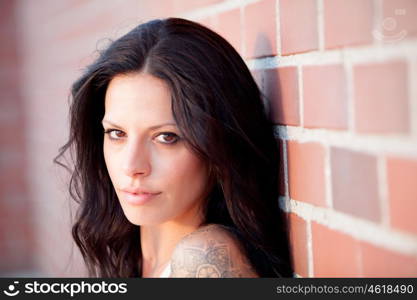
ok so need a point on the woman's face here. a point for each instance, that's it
(145, 153)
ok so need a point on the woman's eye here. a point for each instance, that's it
(114, 134)
(167, 138)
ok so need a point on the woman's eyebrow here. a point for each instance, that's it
(161, 125)
(109, 123)
(150, 128)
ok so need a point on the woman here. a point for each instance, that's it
(176, 167)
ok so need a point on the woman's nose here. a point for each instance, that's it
(136, 160)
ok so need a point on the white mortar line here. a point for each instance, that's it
(215, 9)
(383, 190)
(359, 229)
(300, 83)
(310, 257)
(320, 24)
(242, 30)
(412, 94)
(355, 55)
(214, 20)
(243, 23)
(284, 152)
(377, 21)
(372, 144)
(278, 27)
(328, 177)
(350, 92)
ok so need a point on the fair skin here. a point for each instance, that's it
(210, 252)
(143, 149)
(153, 159)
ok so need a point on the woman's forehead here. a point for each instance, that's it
(138, 97)
(140, 86)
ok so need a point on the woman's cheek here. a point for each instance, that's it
(164, 164)
(189, 175)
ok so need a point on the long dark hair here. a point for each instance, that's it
(219, 111)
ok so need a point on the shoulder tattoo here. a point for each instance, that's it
(209, 253)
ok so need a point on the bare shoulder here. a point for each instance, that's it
(210, 251)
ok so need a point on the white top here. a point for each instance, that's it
(166, 272)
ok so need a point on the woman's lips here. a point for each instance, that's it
(138, 198)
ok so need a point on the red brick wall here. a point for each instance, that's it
(340, 77)
(15, 207)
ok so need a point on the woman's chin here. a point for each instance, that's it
(142, 220)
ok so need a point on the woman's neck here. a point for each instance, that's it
(158, 243)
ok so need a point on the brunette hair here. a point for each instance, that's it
(219, 111)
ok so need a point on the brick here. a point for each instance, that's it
(325, 97)
(298, 244)
(9, 84)
(380, 98)
(398, 20)
(296, 35)
(49, 9)
(402, 193)
(103, 23)
(13, 136)
(7, 17)
(258, 77)
(149, 9)
(12, 179)
(8, 33)
(260, 29)
(16, 243)
(281, 88)
(188, 5)
(306, 172)
(347, 22)
(229, 27)
(379, 262)
(335, 254)
(97, 24)
(208, 22)
(354, 183)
